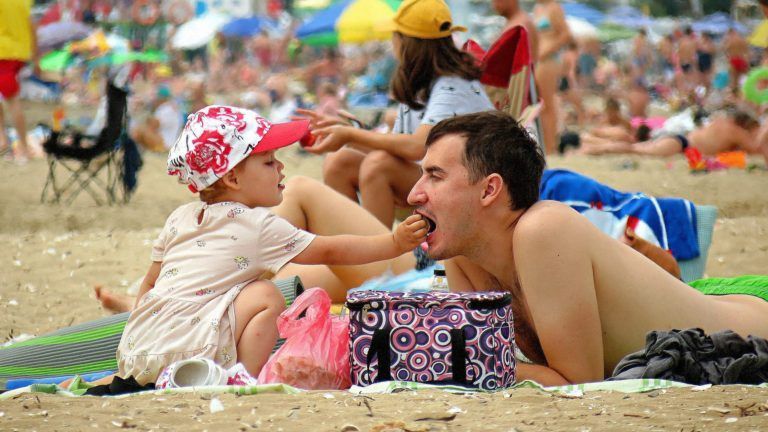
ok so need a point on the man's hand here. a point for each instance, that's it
(330, 139)
(410, 233)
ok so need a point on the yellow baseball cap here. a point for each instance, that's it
(423, 19)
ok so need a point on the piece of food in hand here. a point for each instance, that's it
(308, 140)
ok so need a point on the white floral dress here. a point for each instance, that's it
(190, 312)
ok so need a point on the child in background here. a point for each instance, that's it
(328, 100)
(206, 294)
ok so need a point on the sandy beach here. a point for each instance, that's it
(53, 255)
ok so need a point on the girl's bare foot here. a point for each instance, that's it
(115, 303)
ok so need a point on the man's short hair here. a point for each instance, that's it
(496, 143)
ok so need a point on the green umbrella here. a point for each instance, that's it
(149, 56)
(614, 32)
(56, 61)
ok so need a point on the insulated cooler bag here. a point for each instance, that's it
(437, 337)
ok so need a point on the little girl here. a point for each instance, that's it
(206, 294)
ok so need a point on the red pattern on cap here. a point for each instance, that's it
(210, 152)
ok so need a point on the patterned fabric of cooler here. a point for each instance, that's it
(438, 337)
(692, 269)
(84, 348)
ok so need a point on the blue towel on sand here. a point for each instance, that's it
(667, 222)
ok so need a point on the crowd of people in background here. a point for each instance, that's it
(581, 83)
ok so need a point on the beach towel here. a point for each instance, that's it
(754, 285)
(87, 348)
(666, 222)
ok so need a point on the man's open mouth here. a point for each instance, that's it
(431, 224)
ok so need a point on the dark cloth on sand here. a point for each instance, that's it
(119, 386)
(690, 356)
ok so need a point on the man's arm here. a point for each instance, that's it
(460, 271)
(762, 142)
(557, 280)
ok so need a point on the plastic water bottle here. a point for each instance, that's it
(439, 281)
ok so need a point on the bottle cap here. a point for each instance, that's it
(439, 272)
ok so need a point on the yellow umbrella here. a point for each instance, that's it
(312, 4)
(759, 37)
(363, 20)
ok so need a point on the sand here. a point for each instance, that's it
(53, 255)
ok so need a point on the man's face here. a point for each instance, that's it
(445, 197)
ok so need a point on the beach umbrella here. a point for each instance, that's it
(628, 17)
(612, 32)
(759, 37)
(580, 28)
(584, 12)
(718, 23)
(197, 32)
(54, 35)
(122, 57)
(56, 61)
(349, 21)
(245, 27)
(311, 5)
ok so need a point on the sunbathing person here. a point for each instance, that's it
(733, 131)
(613, 126)
(205, 294)
(582, 301)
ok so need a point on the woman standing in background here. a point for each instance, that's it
(553, 38)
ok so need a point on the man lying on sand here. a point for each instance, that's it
(613, 126)
(735, 130)
(582, 301)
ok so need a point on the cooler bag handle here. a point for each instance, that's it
(459, 356)
(380, 349)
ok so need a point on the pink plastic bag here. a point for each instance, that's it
(315, 355)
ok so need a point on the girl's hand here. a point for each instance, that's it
(317, 120)
(330, 139)
(410, 233)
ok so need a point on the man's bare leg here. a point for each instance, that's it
(667, 146)
(315, 207)
(592, 145)
(4, 144)
(17, 114)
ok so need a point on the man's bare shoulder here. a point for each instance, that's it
(551, 224)
(546, 218)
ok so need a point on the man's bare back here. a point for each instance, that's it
(735, 45)
(589, 298)
(686, 51)
(722, 134)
